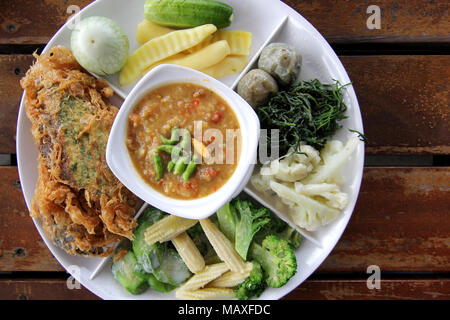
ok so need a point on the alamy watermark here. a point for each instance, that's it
(374, 20)
(72, 282)
(374, 280)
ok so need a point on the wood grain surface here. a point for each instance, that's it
(403, 100)
(339, 21)
(397, 289)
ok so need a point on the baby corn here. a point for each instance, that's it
(223, 247)
(189, 253)
(168, 228)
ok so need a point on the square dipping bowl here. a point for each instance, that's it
(120, 162)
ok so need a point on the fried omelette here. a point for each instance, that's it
(80, 204)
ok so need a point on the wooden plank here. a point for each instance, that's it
(400, 224)
(401, 20)
(403, 99)
(21, 21)
(310, 290)
(42, 290)
(12, 69)
(21, 247)
(338, 21)
(417, 289)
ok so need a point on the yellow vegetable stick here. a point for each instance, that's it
(167, 228)
(188, 251)
(223, 247)
(209, 273)
(239, 41)
(206, 294)
(201, 59)
(148, 30)
(228, 66)
(160, 48)
(231, 279)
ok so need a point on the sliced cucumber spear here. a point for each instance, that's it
(188, 13)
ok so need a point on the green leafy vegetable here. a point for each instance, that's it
(307, 112)
(250, 221)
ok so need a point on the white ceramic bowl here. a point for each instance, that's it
(120, 163)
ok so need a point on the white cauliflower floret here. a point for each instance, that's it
(334, 156)
(324, 192)
(261, 182)
(305, 211)
(295, 166)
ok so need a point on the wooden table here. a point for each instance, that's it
(401, 223)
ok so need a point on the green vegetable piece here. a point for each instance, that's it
(172, 269)
(277, 260)
(189, 171)
(254, 285)
(169, 149)
(170, 166)
(148, 256)
(227, 220)
(308, 112)
(157, 285)
(291, 236)
(167, 141)
(251, 220)
(123, 272)
(188, 13)
(158, 165)
(180, 165)
(185, 140)
(174, 134)
(173, 137)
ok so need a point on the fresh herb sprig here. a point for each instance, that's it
(308, 112)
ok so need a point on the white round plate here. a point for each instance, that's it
(268, 21)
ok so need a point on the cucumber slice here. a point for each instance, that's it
(172, 270)
(148, 256)
(159, 286)
(188, 13)
(100, 45)
(123, 272)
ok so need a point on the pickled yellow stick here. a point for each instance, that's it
(228, 66)
(148, 30)
(239, 41)
(188, 251)
(160, 48)
(201, 59)
(223, 247)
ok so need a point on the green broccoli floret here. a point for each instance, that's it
(254, 285)
(291, 236)
(276, 258)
